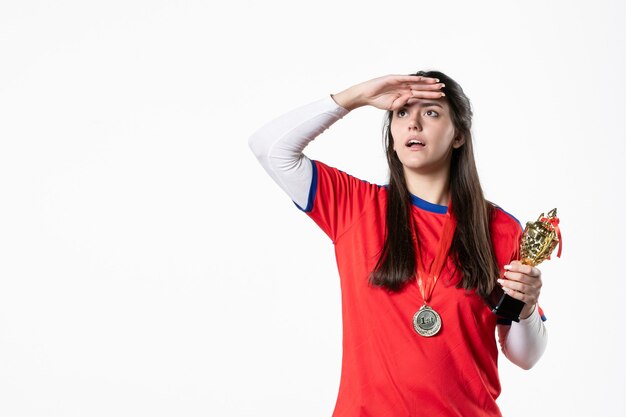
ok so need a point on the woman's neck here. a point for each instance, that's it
(434, 187)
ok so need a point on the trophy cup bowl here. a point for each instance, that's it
(539, 240)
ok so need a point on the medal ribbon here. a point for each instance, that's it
(426, 280)
(554, 222)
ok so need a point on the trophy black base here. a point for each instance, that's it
(504, 305)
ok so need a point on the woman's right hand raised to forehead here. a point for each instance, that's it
(390, 92)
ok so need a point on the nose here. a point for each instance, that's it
(414, 123)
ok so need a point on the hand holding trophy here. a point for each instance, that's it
(539, 240)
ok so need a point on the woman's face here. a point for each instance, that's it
(423, 135)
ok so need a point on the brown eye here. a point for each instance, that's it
(433, 113)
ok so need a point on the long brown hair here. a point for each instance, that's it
(471, 249)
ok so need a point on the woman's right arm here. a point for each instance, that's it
(279, 144)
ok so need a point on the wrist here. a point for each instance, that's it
(347, 99)
(527, 311)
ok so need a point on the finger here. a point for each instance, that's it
(526, 298)
(414, 79)
(518, 286)
(400, 101)
(414, 89)
(523, 292)
(426, 87)
(518, 276)
(404, 94)
(411, 101)
(427, 94)
(516, 266)
(404, 101)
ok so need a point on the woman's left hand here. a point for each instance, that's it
(523, 282)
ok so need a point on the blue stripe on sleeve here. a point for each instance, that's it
(312, 190)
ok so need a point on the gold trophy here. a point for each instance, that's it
(539, 240)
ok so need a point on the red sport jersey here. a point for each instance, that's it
(388, 370)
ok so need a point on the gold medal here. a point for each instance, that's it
(427, 322)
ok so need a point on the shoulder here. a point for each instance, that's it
(332, 187)
(336, 175)
(506, 232)
(504, 221)
(338, 200)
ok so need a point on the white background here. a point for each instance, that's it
(150, 267)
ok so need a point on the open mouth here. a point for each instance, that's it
(415, 143)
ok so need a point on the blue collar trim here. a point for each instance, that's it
(425, 205)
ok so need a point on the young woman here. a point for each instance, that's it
(417, 258)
